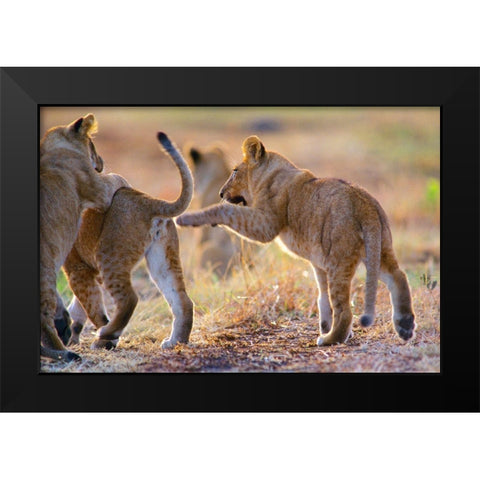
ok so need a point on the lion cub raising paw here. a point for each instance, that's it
(110, 245)
(329, 222)
(70, 182)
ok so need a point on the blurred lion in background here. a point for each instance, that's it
(221, 251)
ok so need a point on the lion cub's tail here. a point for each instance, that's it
(372, 233)
(172, 209)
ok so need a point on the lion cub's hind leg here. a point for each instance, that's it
(403, 316)
(324, 306)
(163, 262)
(339, 282)
(118, 284)
(82, 279)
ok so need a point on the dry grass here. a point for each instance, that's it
(245, 324)
(265, 319)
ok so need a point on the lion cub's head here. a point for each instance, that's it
(77, 137)
(210, 158)
(238, 188)
(210, 168)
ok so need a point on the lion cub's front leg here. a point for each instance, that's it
(248, 222)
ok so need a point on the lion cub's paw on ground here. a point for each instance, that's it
(323, 340)
(405, 327)
(102, 343)
(170, 343)
(60, 355)
(74, 340)
(72, 357)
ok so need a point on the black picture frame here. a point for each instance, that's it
(455, 90)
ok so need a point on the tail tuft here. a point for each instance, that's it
(162, 137)
(366, 320)
(166, 143)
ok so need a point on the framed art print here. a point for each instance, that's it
(160, 309)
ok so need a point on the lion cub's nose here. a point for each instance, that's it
(221, 193)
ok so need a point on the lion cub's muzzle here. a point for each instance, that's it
(237, 199)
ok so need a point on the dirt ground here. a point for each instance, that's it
(265, 328)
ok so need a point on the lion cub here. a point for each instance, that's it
(329, 222)
(70, 182)
(108, 247)
(221, 250)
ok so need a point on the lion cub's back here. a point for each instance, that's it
(335, 214)
(125, 223)
(348, 202)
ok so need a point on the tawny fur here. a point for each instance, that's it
(110, 245)
(220, 250)
(70, 182)
(329, 222)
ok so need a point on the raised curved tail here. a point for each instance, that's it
(175, 208)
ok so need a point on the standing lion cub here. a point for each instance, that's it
(109, 245)
(70, 182)
(329, 222)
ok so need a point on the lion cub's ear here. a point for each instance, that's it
(253, 148)
(195, 155)
(219, 148)
(190, 152)
(86, 125)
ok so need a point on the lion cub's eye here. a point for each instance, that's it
(234, 172)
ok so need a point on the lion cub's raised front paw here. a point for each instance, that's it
(185, 220)
(189, 220)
